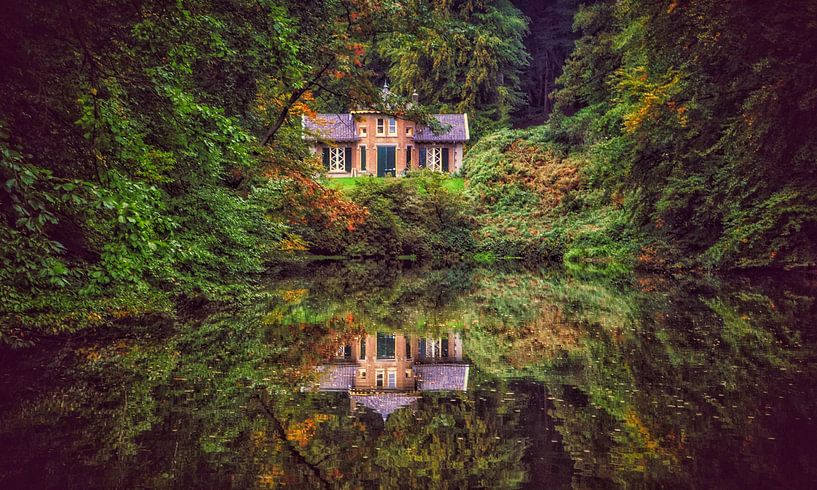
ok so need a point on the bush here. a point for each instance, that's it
(538, 203)
(416, 215)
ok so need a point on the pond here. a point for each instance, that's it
(364, 375)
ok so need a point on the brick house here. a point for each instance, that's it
(365, 142)
(387, 371)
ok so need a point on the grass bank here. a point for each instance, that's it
(347, 184)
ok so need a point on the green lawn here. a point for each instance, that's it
(343, 184)
(455, 184)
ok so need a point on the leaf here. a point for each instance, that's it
(27, 177)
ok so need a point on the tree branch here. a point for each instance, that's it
(300, 458)
(293, 98)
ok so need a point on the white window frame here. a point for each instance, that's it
(391, 378)
(434, 348)
(337, 160)
(434, 159)
(379, 378)
(392, 126)
(381, 127)
(364, 131)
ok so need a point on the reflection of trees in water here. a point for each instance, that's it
(446, 440)
(670, 383)
(383, 294)
(698, 377)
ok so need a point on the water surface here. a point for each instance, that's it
(365, 375)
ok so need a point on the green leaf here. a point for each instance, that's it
(27, 177)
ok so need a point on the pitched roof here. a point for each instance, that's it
(333, 127)
(442, 377)
(336, 377)
(430, 377)
(385, 403)
(341, 127)
(457, 125)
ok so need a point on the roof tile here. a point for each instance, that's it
(385, 403)
(341, 127)
(442, 377)
(457, 130)
(337, 376)
(333, 127)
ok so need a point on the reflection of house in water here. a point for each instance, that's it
(385, 372)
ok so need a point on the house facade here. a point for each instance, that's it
(364, 142)
(387, 371)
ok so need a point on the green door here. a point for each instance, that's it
(386, 160)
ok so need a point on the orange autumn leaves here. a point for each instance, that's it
(545, 172)
(302, 432)
(270, 104)
(312, 204)
(306, 202)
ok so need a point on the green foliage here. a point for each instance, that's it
(415, 215)
(705, 138)
(601, 244)
(485, 258)
(644, 381)
(460, 57)
(540, 204)
(27, 254)
(141, 172)
(679, 134)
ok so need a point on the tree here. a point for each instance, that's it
(463, 56)
(704, 113)
(549, 43)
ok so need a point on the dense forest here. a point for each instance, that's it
(152, 152)
(683, 135)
